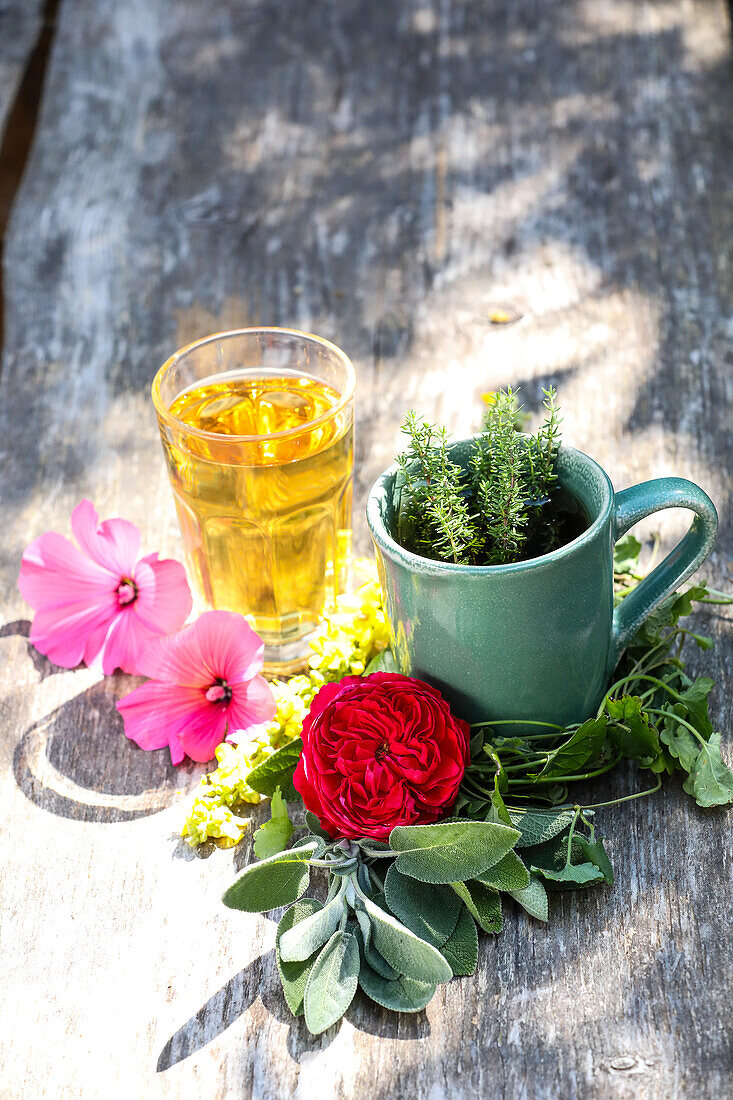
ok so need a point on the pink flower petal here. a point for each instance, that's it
(227, 638)
(53, 573)
(164, 598)
(156, 715)
(220, 644)
(114, 544)
(67, 635)
(252, 703)
(125, 642)
(200, 740)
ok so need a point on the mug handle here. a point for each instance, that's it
(634, 504)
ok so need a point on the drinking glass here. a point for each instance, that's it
(257, 429)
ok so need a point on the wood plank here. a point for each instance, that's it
(20, 23)
(386, 175)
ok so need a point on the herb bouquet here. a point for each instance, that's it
(408, 886)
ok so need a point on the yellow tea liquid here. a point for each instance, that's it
(265, 522)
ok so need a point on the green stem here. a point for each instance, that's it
(569, 778)
(515, 722)
(617, 801)
(682, 722)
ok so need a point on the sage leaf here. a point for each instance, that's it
(314, 826)
(508, 874)
(277, 771)
(369, 954)
(461, 950)
(308, 935)
(430, 911)
(450, 852)
(681, 743)
(483, 903)
(403, 950)
(332, 982)
(272, 882)
(533, 899)
(273, 836)
(383, 662)
(711, 781)
(574, 875)
(294, 975)
(582, 747)
(537, 826)
(402, 994)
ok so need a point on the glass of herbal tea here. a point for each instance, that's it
(257, 428)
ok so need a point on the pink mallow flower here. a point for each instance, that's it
(204, 682)
(100, 598)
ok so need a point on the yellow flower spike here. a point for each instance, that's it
(347, 640)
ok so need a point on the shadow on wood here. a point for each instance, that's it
(77, 762)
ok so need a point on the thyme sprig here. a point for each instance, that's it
(487, 512)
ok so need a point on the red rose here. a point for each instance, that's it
(380, 751)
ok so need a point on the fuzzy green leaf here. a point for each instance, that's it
(582, 747)
(483, 903)
(277, 771)
(537, 826)
(332, 982)
(403, 950)
(508, 874)
(308, 935)
(402, 994)
(369, 954)
(314, 826)
(711, 780)
(272, 882)
(461, 950)
(294, 975)
(450, 852)
(682, 744)
(273, 836)
(430, 911)
(533, 898)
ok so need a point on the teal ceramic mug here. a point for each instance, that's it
(536, 640)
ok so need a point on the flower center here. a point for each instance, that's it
(382, 751)
(127, 592)
(219, 692)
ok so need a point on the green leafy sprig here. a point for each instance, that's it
(653, 713)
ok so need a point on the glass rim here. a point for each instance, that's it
(166, 415)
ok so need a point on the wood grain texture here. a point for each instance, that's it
(385, 175)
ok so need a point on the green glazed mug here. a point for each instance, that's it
(536, 640)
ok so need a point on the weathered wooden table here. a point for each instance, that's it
(385, 174)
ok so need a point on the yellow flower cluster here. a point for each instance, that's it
(347, 640)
